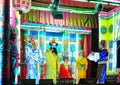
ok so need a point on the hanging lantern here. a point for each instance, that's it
(22, 5)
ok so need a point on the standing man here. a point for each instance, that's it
(13, 56)
(33, 57)
(101, 58)
(101, 70)
(53, 62)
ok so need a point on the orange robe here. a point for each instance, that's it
(82, 65)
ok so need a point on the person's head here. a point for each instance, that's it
(102, 44)
(31, 40)
(65, 59)
(53, 43)
(35, 45)
(13, 33)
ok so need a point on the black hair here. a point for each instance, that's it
(103, 43)
(65, 57)
(13, 33)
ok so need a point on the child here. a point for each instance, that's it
(65, 71)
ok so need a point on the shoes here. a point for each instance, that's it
(100, 83)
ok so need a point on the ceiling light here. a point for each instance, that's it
(81, 0)
(114, 1)
(98, 2)
(114, 4)
(41, 8)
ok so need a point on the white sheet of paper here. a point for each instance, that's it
(94, 57)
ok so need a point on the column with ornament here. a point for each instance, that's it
(18, 7)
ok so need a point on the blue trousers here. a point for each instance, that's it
(101, 72)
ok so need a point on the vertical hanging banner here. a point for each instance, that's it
(65, 44)
(22, 6)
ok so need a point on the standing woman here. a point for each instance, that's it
(101, 70)
(33, 57)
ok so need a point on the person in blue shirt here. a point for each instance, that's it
(103, 57)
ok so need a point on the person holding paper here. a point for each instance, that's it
(101, 58)
(103, 53)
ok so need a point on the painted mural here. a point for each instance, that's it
(109, 31)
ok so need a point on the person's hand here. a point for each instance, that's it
(92, 53)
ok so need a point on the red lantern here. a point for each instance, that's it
(22, 5)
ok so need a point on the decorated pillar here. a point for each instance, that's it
(42, 45)
(4, 42)
(65, 44)
(19, 7)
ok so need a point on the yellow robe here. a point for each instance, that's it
(82, 65)
(53, 65)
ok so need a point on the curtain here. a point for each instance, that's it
(87, 50)
(69, 19)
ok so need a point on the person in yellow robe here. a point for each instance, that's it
(82, 65)
(52, 62)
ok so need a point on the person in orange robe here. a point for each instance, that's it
(82, 65)
(65, 70)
